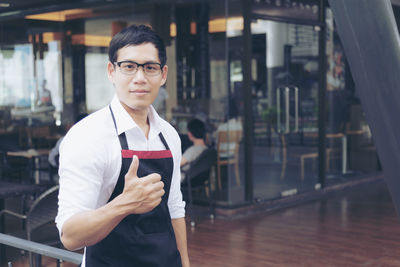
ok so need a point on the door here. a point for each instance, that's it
(285, 108)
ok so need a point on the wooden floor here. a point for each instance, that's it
(359, 228)
(353, 228)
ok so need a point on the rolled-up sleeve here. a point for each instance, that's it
(81, 176)
(176, 204)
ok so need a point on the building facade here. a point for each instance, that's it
(268, 75)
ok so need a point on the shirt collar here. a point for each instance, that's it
(154, 119)
(124, 121)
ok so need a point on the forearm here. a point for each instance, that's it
(179, 226)
(89, 227)
(183, 161)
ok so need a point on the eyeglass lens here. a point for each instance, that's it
(132, 67)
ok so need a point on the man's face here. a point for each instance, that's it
(137, 91)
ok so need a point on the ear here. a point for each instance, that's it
(164, 75)
(110, 71)
(190, 136)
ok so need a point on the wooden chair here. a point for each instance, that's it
(314, 157)
(33, 136)
(198, 176)
(37, 136)
(228, 143)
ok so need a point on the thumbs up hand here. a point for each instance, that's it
(141, 195)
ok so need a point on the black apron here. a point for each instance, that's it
(140, 240)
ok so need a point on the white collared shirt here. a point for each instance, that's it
(90, 159)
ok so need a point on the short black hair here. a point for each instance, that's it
(136, 35)
(197, 128)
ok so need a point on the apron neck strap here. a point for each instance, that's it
(163, 141)
(122, 137)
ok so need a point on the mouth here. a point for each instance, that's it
(139, 92)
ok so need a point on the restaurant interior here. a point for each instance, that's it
(268, 78)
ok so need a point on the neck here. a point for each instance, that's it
(140, 117)
(198, 142)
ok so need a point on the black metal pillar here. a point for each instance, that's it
(248, 107)
(322, 96)
(204, 56)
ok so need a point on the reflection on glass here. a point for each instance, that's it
(285, 113)
(31, 86)
(350, 149)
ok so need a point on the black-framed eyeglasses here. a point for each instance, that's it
(131, 67)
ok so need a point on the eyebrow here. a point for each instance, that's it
(133, 61)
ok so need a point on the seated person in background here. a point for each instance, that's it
(196, 134)
(233, 122)
(54, 152)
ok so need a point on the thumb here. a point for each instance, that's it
(133, 167)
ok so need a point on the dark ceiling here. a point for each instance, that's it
(18, 8)
(19, 4)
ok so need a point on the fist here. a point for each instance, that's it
(142, 194)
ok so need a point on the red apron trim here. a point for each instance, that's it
(147, 154)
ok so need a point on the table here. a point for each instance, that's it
(343, 137)
(344, 147)
(33, 155)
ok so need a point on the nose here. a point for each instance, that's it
(139, 75)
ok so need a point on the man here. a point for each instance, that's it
(196, 134)
(120, 168)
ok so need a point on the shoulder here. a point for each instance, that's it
(91, 131)
(90, 145)
(97, 120)
(195, 150)
(189, 150)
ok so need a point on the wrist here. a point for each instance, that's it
(185, 262)
(121, 208)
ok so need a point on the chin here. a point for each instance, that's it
(137, 106)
